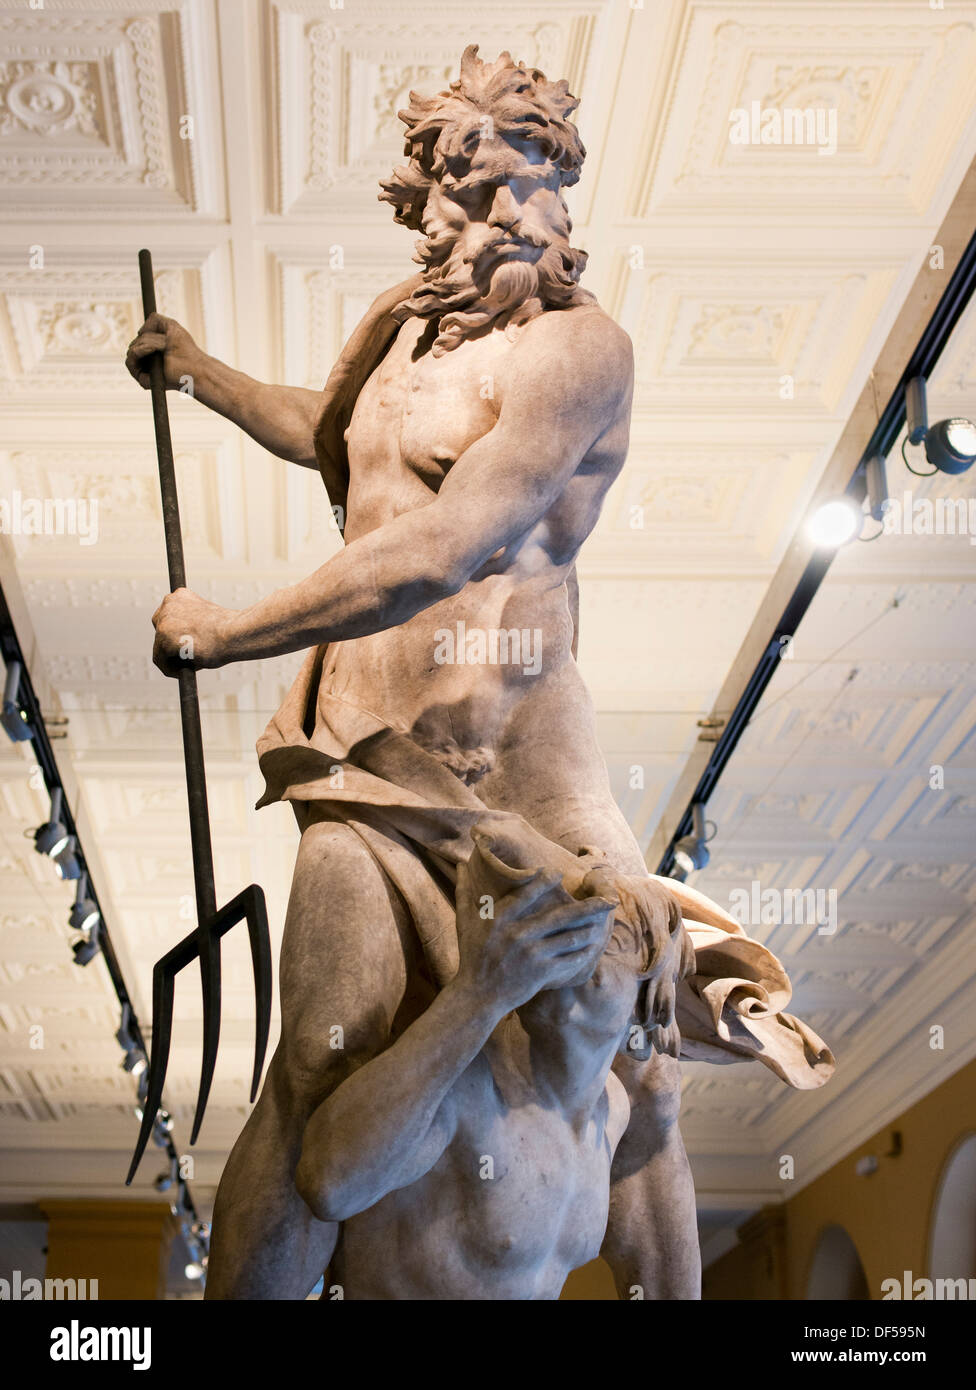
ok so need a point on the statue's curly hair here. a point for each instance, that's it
(443, 131)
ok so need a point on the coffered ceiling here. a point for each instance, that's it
(243, 142)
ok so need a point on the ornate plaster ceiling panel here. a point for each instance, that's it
(342, 75)
(897, 78)
(113, 105)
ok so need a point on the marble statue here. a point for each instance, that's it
(484, 994)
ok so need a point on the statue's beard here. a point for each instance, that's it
(465, 293)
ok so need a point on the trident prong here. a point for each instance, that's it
(203, 943)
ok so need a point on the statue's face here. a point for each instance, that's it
(506, 207)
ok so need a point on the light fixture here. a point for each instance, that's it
(836, 522)
(162, 1129)
(84, 912)
(690, 853)
(841, 519)
(196, 1236)
(88, 947)
(950, 445)
(134, 1061)
(66, 863)
(164, 1181)
(52, 837)
(12, 717)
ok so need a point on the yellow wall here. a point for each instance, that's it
(887, 1215)
(123, 1244)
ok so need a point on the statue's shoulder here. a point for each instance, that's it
(583, 330)
(584, 338)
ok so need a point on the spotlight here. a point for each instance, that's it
(876, 486)
(835, 523)
(135, 1059)
(162, 1129)
(84, 914)
(12, 717)
(196, 1248)
(88, 947)
(52, 837)
(690, 853)
(950, 445)
(165, 1180)
(66, 864)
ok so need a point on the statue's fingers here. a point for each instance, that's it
(520, 901)
(147, 343)
(589, 915)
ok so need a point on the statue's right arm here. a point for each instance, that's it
(281, 418)
(389, 1122)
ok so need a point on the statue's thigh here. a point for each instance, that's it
(345, 956)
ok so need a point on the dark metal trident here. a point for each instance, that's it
(204, 942)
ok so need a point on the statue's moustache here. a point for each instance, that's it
(439, 248)
(531, 244)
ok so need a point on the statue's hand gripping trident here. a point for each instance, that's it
(203, 943)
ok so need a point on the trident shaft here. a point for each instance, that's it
(203, 943)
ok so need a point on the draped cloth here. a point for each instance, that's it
(335, 760)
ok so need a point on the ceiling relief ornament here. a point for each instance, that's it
(48, 98)
(735, 331)
(893, 89)
(852, 91)
(82, 328)
(91, 106)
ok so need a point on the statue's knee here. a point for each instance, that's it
(666, 1106)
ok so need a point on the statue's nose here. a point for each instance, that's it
(504, 209)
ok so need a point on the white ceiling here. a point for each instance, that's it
(731, 267)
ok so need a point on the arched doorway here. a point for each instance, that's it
(952, 1231)
(836, 1270)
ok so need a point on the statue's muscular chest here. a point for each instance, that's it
(417, 414)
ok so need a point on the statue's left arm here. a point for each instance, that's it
(569, 393)
(651, 1242)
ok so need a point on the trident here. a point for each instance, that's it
(203, 943)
